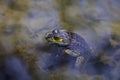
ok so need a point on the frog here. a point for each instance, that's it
(70, 43)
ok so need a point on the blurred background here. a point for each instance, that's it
(23, 24)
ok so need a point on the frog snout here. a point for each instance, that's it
(48, 35)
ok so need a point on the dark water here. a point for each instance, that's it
(25, 55)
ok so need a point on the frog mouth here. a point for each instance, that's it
(56, 40)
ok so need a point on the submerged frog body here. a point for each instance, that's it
(71, 44)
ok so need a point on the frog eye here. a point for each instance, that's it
(55, 31)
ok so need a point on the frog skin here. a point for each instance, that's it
(71, 44)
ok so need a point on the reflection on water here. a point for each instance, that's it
(25, 55)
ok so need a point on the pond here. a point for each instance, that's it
(26, 55)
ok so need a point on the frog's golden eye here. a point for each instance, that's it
(58, 38)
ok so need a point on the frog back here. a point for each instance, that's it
(79, 44)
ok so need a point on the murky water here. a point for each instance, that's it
(23, 24)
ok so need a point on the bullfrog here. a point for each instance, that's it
(70, 43)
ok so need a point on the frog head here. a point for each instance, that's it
(57, 36)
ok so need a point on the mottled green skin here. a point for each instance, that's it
(74, 46)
